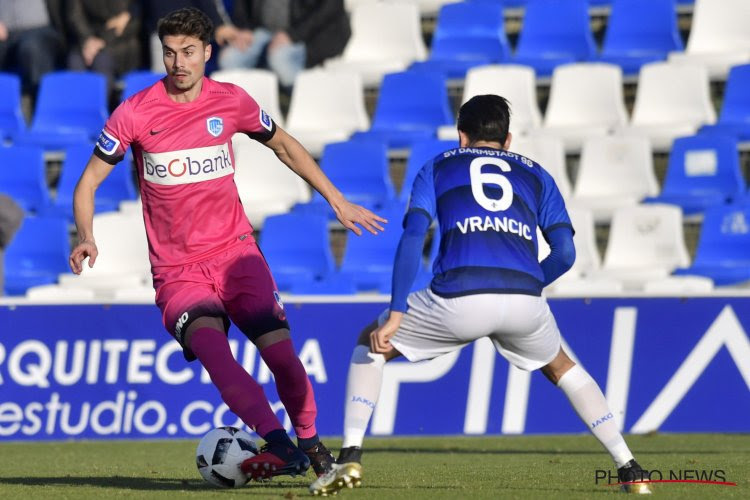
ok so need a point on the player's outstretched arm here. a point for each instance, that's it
(83, 209)
(296, 157)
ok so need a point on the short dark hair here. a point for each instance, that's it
(189, 22)
(485, 118)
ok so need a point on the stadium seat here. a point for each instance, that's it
(326, 107)
(639, 32)
(71, 109)
(115, 189)
(386, 37)
(359, 169)
(334, 283)
(261, 84)
(719, 38)
(585, 101)
(675, 285)
(420, 153)
(23, 176)
(59, 294)
(516, 83)
(549, 152)
(614, 172)
(723, 251)
(646, 242)
(297, 249)
(135, 81)
(588, 261)
(427, 8)
(672, 100)
(368, 259)
(734, 118)
(266, 186)
(703, 171)
(467, 34)
(411, 106)
(37, 254)
(11, 117)
(553, 36)
(123, 260)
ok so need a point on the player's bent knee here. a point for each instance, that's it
(270, 338)
(558, 367)
(364, 336)
(213, 322)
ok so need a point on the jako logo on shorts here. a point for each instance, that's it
(188, 165)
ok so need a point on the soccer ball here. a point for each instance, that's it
(220, 454)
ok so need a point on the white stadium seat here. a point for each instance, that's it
(672, 101)
(514, 82)
(386, 38)
(585, 101)
(645, 243)
(326, 107)
(261, 84)
(614, 172)
(719, 36)
(266, 185)
(547, 151)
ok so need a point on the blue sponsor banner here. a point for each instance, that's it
(112, 372)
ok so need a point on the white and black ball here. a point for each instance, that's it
(220, 454)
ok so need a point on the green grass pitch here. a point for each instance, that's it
(526, 467)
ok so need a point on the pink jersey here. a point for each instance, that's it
(185, 164)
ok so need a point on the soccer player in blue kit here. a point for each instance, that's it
(487, 282)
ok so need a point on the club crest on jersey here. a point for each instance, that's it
(265, 120)
(215, 126)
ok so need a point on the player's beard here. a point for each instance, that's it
(185, 84)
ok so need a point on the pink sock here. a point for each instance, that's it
(293, 386)
(238, 389)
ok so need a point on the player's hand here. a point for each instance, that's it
(81, 251)
(350, 214)
(380, 338)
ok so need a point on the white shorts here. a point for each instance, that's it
(521, 327)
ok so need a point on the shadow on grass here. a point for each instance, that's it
(559, 451)
(138, 483)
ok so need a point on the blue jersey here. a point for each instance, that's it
(488, 204)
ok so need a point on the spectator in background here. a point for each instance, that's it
(224, 32)
(105, 36)
(11, 217)
(293, 34)
(31, 39)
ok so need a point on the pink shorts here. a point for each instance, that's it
(235, 285)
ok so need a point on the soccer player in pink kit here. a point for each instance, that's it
(206, 266)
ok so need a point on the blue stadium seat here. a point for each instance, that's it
(135, 81)
(734, 118)
(411, 106)
(22, 176)
(421, 152)
(117, 187)
(554, 33)
(71, 109)
(723, 252)
(703, 171)
(335, 283)
(359, 169)
(37, 254)
(639, 32)
(297, 249)
(467, 34)
(368, 259)
(11, 117)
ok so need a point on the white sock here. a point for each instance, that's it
(362, 392)
(588, 401)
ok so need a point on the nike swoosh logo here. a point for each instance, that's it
(154, 132)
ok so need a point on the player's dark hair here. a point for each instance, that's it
(189, 22)
(485, 118)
